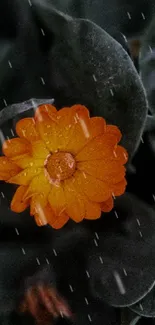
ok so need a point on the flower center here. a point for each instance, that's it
(60, 165)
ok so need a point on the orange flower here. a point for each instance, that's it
(67, 165)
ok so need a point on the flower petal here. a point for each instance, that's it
(108, 205)
(25, 176)
(74, 201)
(46, 215)
(101, 147)
(65, 125)
(121, 154)
(47, 126)
(95, 189)
(25, 128)
(107, 171)
(112, 129)
(26, 161)
(39, 184)
(92, 210)
(57, 200)
(81, 132)
(37, 201)
(98, 126)
(119, 188)
(7, 168)
(60, 221)
(47, 108)
(39, 150)
(18, 204)
(16, 147)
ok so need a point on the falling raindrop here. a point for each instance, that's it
(23, 131)
(47, 261)
(111, 91)
(61, 314)
(84, 175)
(37, 259)
(3, 195)
(143, 15)
(141, 307)
(115, 154)
(10, 65)
(5, 103)
(125, 38)
(125, 156)
(54, 251)
(12, 132)
(101, 259)
(88, 275)
(30, 3)
(116, 214)
(96, 234)
(138, 222)
(150, 48)
(94, 77)
(41, 214)
(89, 317)
(119, 283)
(128, 13)
(2, 138)
(125, 272)
(96, 243)
(84, 128)
(71, 288)
(23, 250)
(43, 32)
(113, 195)
(17, 232)
(140, 234)
(86, 300)
(43, 81)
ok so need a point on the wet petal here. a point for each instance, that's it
(75, 203)
(65, 126)
(38, 184)
(121, 154)
(26, 161)
(98, 126)
(92, 210)
(16, 147)
(81, 132)
(39, 150)
(56, 199)
(37, 201)
(47, 108)
(119, 188)
(25, 128)
(60, 221)
(25, 176)
(95, 189)
(101, 147)
(42, 214)
(108, 205)
(47, 215)
(47, 128)
(8, 169)
(18, 204)
(110, 171)
(112, 129)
